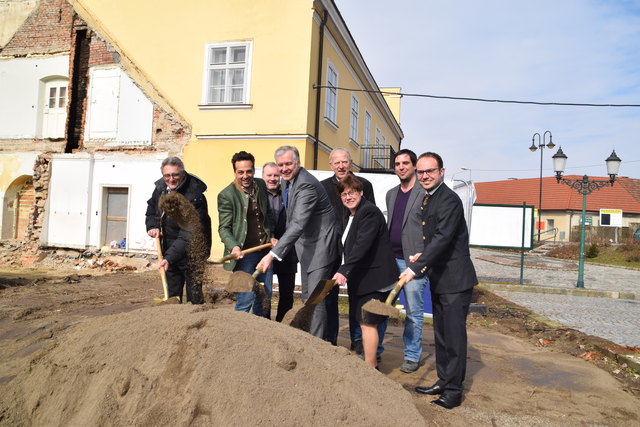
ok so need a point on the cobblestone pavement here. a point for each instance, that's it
(613, 319)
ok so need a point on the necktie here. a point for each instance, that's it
(426, 198)
(285, 198)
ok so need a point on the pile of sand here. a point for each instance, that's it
(184, 365)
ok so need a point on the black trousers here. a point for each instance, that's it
(177, 277)
(450, 332)
(286, 272)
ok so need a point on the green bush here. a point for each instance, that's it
(592, 252)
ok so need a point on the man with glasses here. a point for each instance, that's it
(404, 219)
(445, 256)
(174, 239)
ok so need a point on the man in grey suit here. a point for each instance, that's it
(311, 231)
(405, 231)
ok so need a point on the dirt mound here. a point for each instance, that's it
(186, 365)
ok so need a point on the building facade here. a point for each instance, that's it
(106, 90)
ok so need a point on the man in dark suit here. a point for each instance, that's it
(340, 163)
(285, 269)
(452, 278)
(310, 229)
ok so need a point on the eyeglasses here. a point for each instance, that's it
(432, 171)
(171, 175)
(348, 194)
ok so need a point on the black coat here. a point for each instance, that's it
(342, 214)
(174, 239)
(369, 264)
(446, 249)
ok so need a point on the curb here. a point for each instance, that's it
(559, 291)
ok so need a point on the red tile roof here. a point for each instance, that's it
(561, 197)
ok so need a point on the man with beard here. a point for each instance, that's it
(245, 222)
(405, 232)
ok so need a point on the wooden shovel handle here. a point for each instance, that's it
(244, 252)
(258, 271)
(395, 290)
(163, 274)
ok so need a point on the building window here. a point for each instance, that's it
(331, 106)
(353, 133)
(54, 112)
(366, 160)
(227, 73)
(115, 209)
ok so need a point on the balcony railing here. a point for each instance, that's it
(377, 158)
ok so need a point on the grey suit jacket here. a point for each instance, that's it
(311, 225)
(412, 241)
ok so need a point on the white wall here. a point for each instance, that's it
(75, 206)
(21, 99)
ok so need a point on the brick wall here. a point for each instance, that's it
(46, 31)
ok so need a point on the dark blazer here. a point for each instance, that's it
(446, 245)
(311, 226)
(175, 239)
(369, 264)
(280, 225)
(341, 212)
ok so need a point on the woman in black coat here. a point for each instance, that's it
(368, 265)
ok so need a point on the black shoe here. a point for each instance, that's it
(433, 390)
(448, 400)
(357, 347)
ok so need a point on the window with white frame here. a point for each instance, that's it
(366, 160)
(227, 73)
(353, 133)
(331, 104)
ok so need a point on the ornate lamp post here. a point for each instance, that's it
(585, 186)
(533, 148)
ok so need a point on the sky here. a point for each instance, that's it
(569, 51)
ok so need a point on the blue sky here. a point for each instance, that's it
(571, 51)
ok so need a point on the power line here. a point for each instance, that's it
(459, 98)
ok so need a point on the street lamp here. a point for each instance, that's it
(585, 186)
(533, 148)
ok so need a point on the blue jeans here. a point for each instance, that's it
(247, 299)
(414, 296)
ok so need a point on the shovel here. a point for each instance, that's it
(244, 252)
(300, 317)
(241, 281)
(386, 308)
(163, 277)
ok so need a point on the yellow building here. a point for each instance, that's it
(244, 75)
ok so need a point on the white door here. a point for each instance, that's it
(55, 108)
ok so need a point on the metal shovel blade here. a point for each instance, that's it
(300, 317)
(378, 307)
(320, 292)
(240, 281)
